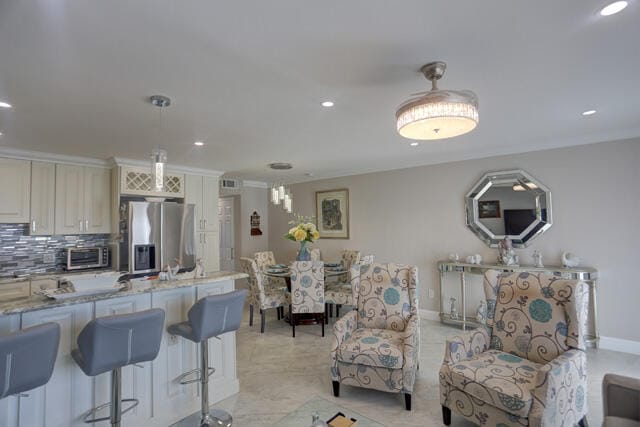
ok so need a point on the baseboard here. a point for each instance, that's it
(618, 344)
(429, 314)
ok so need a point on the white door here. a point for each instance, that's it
(193, 194)
(97, 200)
(68, 394)
(9, 405)
(136, 380)
(227, 244)
(69, 200)
(209, 203)
(177, 355)
(43, 187)
(15, 182)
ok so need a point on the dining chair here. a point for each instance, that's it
(263, 260)
(315, 254)
(367, 259)
(349, 257)
(336, 295)
(307, 291)
(263, 297)
(377, 346)
(527, 365)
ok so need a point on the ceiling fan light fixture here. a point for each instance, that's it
(437, 114)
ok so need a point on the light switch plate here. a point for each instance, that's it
(431, 293)
(49, 258)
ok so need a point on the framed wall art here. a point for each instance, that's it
(332, 212)
(489, 209)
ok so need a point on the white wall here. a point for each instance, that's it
(416, 216)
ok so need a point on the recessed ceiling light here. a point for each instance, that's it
(613, 8)
(198, 143)
(588, 112)
(5, 104)
(327, 104)
(0, 133)
(414, 144)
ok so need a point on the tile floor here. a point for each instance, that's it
(278, 373)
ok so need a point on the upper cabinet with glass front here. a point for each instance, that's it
(509, 204)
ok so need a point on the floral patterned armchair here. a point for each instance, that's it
(377, 345)
(528, 366)
(260, 295)
(263, 260)
(307, 291)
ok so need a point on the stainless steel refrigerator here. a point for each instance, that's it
(158, 234)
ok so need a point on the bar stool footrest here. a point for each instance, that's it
(93, 411)
(182, 377)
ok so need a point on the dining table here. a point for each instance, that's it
(283, 271)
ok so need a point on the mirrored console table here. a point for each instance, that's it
(586, 274)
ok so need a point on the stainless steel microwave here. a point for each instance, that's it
(84, 258)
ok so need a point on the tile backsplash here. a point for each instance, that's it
(22, 254)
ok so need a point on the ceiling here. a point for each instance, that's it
(248, 77)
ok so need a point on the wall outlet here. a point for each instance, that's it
(49, 258)
(431, 293)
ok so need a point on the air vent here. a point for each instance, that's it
(229, 183)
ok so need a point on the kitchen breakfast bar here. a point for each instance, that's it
(69, 394)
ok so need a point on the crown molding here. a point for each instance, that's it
(122, 161)
(40, 156)
(255, 184)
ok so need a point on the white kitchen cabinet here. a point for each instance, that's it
(222, 353)
(203, 192)
(136, 381)
(97, 200)
(15, 183)
(171, 400)
(68, 394)
(208, 250)
(83, 200)
(9, 405)
(43, 187)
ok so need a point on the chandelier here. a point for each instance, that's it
(437, 114)
(282, 196)
(158, 156)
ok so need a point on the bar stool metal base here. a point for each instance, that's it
(115, 406)
(215, 418)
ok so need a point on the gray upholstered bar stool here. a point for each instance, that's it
(112, 342)
(209, 317)
(27, 358)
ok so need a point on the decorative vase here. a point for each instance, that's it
(303, 254)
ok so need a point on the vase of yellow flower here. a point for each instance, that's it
(303, 231)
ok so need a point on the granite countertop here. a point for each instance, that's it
(53, 276)
(133, 287)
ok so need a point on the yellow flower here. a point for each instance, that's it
(315, 235)
(292, 230)
(300, 235)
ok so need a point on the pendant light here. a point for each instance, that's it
(158, 156)
(437, 114)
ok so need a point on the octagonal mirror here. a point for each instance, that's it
(509, 204)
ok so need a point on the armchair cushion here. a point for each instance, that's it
(386, 296)
(538, 316)
(500, 379)
(373, 347)
(466, 345)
